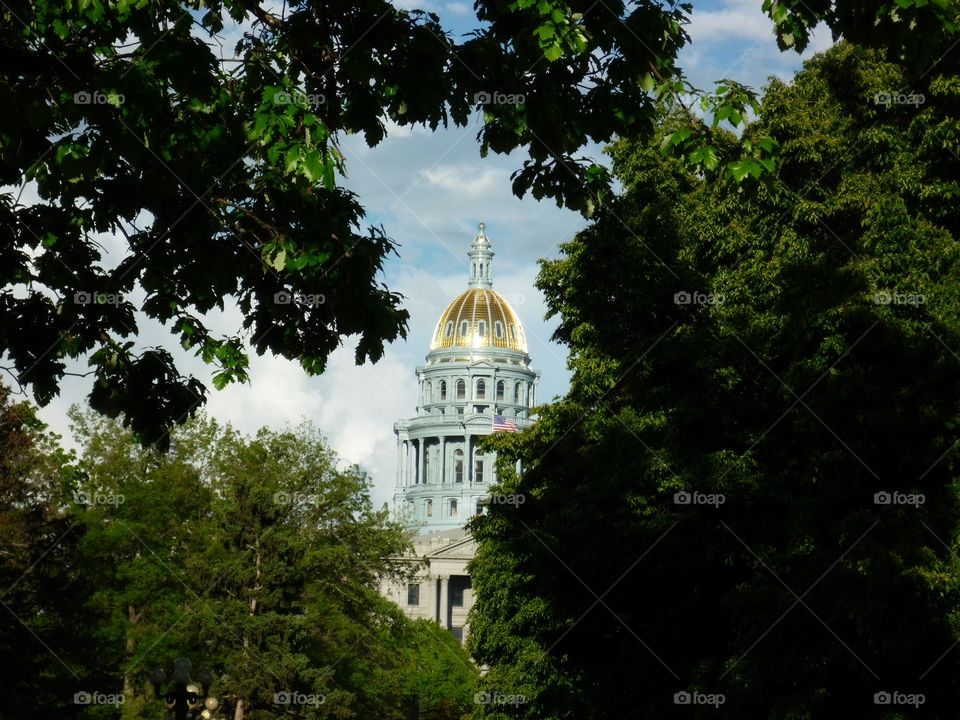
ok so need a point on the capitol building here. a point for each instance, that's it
(477, 377)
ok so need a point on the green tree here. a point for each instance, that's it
(221, 176)
(260, 559)
(46, 635)
(752, 364)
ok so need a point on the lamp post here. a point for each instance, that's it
(187, 700)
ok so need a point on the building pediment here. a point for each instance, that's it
(466, 548)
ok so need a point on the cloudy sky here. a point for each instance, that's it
(429, 190)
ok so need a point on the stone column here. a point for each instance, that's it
(431, 582)
(443, 459)
(444, 599)
(399, 463)
(420, 463)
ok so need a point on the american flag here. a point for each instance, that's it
(503, 424)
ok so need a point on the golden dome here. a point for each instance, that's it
(479, 319)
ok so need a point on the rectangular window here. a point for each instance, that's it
(413, 594)
(463, 328)
(498, 330)
(478, 471)
(450, 328)
(453, 508)
(482, 328)
(456, 595)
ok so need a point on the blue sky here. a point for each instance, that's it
(429, 190)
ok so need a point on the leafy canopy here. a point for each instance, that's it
(219, 175)
(764, 375)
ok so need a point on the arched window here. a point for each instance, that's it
(481, 390)
(449, 331)
(458, 466)
(516, 394)
(500, 390)
(428, 508)
(477, 466)
(428, 392)
(443, 390)
(462, 390)
(481, 269)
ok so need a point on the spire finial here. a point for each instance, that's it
(481, 226)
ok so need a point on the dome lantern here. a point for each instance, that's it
(481, 258)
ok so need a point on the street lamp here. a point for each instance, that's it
(187, 699)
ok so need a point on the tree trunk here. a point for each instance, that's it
(238, 713)
(129, 689)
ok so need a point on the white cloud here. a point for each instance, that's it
(738, 19)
